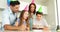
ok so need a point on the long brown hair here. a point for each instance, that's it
(30, 8)
(21, 18)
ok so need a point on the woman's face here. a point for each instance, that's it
(32, 8)
(25, 16)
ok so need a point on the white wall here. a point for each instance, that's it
(51, 17)
(58, 2)
(3, 3)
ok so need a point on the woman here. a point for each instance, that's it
(32, 10)
(23, 21)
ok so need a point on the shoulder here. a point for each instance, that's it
(43, 19)
(5, 13)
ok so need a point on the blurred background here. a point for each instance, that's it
(50, 10)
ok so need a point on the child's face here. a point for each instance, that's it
(38, 16)
(25, 16)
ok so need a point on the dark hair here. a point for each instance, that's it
(30, 8)
(39, 13)
(13, 3)
(21, 18)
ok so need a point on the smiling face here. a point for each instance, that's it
(32, 8)
(25, 15)
(15, 8)
(14, 5)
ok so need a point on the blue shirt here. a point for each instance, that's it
(8, 17)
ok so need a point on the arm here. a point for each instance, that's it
(17, 22)
(45, 25)
(9, 27)
(46, 28)
(6, 22)
(28, 28)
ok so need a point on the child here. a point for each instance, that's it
(40, 22)
(23, 21)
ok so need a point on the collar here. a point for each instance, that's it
(10, 10)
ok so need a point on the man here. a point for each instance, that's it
(9, 16)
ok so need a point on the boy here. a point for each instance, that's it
(40, 22)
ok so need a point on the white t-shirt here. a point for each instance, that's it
(42, 22)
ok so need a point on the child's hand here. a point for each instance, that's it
(40, 26)
(16, 23)
(23, 27)
(46, 28)
(37, 26)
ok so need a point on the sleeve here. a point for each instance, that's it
(45, 23)
(5, 19)
(17, 22)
